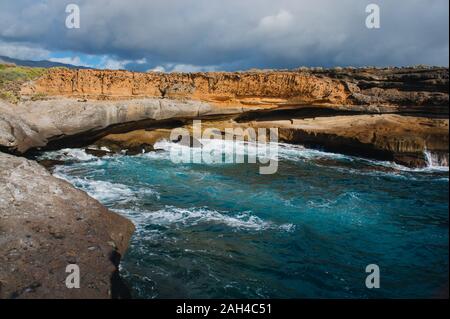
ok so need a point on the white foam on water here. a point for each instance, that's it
(272, 151)
(67, 154)
(104, 191)
(163, 144)
(435, 162)
(234, 149)
(218, 147)
(194, 216)
(268, 151)
(298, 152)
(398, 167)
(295, 152)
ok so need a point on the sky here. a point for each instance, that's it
(214, 35)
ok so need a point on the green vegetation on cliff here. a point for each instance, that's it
(12, 77)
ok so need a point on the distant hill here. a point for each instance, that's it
(40, 64)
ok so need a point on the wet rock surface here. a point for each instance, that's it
(97, 152)
(401, 139)
(134, 142)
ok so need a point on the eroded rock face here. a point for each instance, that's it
(15, 132)
(402, 139)
(34, 124)
(46, 224)
(134, 142)
(85, 106)
(239, 89)
(377, 90)
(410, 89)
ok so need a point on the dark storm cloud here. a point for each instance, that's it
(209, 34)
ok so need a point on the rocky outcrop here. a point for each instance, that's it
(414, 89)
(56, 122)
(15, 132)
(383, 137)
(83, 106)
(417, 90)
(271, 89)
(134, 142)
(47, 224)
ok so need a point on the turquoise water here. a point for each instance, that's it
(308, 231)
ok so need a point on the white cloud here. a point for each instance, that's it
(23, 51)
(112, 64)
(141, 61)
(158, 68)
(192, 68)
(187, 68)
(276, 23)
(106, 62)
(109, 63)
(75, 60)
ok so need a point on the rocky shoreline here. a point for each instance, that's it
(47, 224)
(394, 114)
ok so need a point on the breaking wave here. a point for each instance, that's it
(68, 154)
(181, 217)
(106, 192)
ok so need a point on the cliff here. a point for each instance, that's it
(366, 90)
(244, 89)
(99, 103)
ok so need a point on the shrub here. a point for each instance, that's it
(12, 77)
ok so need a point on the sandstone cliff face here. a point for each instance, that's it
(402, 139)
(369, 90)
(412, 89)
(263, 89)
(84, 105)
(46, 224)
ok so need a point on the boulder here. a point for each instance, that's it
(47, 224)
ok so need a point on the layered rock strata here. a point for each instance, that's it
(85, 105)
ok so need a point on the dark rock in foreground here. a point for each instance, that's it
(46, 224)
